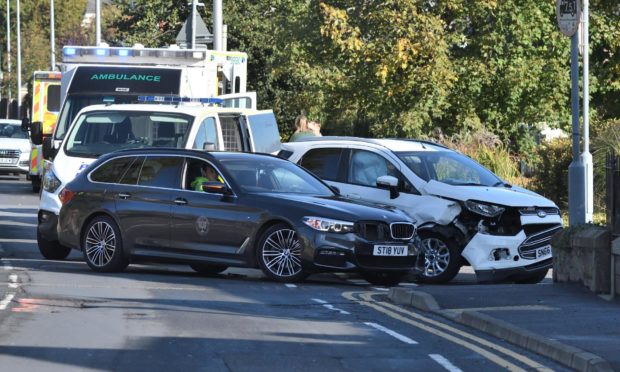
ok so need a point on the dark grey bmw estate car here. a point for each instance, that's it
(258, 211)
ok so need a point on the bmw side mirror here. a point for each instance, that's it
(215, 187)
(389, 183)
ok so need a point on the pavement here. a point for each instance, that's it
(564, 322)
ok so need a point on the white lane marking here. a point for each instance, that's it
(396, 335)
(33, 241)
(381, 289)
(445, 363)
(15, 214)
(408, 284)
(330, 307)
(17, 207)
(7, 300)
(7, 266)
(13, 281)
(290, 285)
(358, 281)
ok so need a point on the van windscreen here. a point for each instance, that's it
(100, 132)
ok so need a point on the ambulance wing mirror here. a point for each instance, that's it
(208, 146)
(36, 132)
(48, 150)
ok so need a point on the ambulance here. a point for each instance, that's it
(45, 108)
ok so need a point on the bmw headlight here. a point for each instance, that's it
(51, 183)
(329, 225)
(486, 210)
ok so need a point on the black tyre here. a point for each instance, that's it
(279, 254)
(534, 278)
(208, 269)
(51, 249)
(386, 279)
(442, 258)
(102, 246)
(36, 183)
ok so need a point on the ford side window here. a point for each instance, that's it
(324, 163)
(161, 171)
(206, 137)
(112, 171)
(366, 166)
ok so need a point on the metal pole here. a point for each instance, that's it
(19, 65)
(576, 182)
(586, 156)
(217, 24)
(8, 55)
(98, 22)
(193, 45)
(52, 38)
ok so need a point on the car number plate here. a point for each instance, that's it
(390, 250)
(543, 251)
(7, 161)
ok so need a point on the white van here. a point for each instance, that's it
(101, 129)
(466, 214)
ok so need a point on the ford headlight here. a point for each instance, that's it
(51, 183)
(328, 225)
(486, 210)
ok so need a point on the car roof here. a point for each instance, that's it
(189, 109)
(188, 152)
(393, 144)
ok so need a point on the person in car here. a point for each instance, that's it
(207, 174)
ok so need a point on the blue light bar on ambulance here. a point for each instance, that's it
(130, 55)
(123, 52)
(166, 99)
(68, 51)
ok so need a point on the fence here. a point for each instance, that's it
(612, 167)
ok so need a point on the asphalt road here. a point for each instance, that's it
(61, 316)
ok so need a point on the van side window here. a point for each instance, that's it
(206, 137)
(324, 163)
(161, 171)
(366, 166)
(53, 98)
(230, 133)
(112, 171)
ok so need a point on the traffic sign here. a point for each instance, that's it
(569, 14)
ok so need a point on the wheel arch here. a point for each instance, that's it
(92, 216)
(266, 225)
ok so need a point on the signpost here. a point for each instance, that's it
(570, 15)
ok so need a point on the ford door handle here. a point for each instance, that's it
(180, 201)
(354, 196)
(123, 195)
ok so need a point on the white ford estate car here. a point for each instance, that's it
(466, 214)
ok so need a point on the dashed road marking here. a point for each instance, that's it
(16, 214)
(32, 241)
(13, 281)
(15, 223)
(7, 266)
(358, 281)
(445, 363)
(289, 285)
(408, 284)
(381, 289)
(394, 334)
(330, 306)
(6, 301)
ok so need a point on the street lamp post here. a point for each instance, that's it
(8, 56)
(52, 38)
(97, 22)
(19, 64)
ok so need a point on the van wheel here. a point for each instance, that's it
(279, 254)
(52, 250)
(385, 279)
(534, 278)
(208, 269)
(102, 246)
(442, 258)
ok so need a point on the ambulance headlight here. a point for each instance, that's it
(51, 183)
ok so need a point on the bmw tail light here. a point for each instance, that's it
(65, 196)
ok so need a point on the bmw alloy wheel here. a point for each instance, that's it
(281, 254)
(100, 244)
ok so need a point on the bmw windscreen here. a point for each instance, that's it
(448, 167)
(272, 175)
(101, 132)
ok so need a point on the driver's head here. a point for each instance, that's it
(209, 172)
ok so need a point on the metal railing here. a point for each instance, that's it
(612, 167)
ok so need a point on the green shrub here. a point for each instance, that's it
(606, 140)
(552, 170)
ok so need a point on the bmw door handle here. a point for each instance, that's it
(124, 195)
(180, 201)
(354, 196)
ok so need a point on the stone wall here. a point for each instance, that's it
(583, 255)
